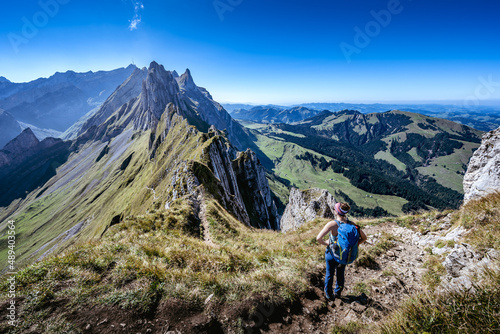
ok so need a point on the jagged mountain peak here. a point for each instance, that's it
(153, 65)
(158, 90)
(158, 73)
(4, 79)
(186, 81)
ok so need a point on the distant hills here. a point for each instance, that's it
(482, 118)
(390, 162)
(269, 114)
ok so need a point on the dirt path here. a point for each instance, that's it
(204, 223)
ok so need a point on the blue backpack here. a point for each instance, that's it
(345, 245)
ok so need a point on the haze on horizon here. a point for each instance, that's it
(269, 51)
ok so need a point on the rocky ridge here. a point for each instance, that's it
(235, 179)
(152, 151)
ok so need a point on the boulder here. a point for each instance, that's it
(306, 205)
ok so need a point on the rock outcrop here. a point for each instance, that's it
(243, 187)
(306, 205)
(463, 263)
(158, 90)
(220, 155)
(483, 172)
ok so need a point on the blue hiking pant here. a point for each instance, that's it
(331, 266)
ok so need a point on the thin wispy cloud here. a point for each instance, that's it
(138, 6)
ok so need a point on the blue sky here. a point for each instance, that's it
(269, 51)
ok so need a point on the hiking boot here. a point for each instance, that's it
(327, 296)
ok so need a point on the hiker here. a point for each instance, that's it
(342, 248)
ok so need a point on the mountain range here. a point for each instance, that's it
(484, 118)
(159, 137)
(57, 102)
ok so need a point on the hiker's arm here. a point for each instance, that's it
(362, 237)
(324, 232)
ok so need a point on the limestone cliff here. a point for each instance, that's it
(306, 205)
(483, 172)
(242, 185)
(255, 191)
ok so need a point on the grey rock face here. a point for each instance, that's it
(242, 187)
(221, 155)
(158, 90)
(462, 256)
(255, 191)
(306, 205)
(463, 263)
(483, 172)
(199, 100)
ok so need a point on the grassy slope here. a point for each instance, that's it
(304, 175)
(100, 190)
(445, 172)
(387, 156)
(445, 168)
(150, 259)
(78, 200)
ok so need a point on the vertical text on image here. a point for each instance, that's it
(11, 265)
